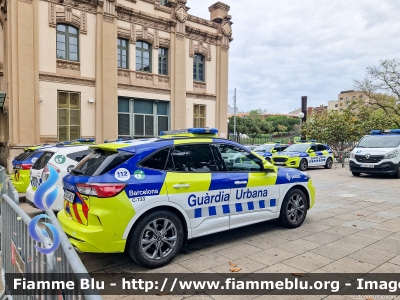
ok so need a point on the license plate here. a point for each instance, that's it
(69, 196)
(367, 166)
(279, 163)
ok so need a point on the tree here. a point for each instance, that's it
(338, 129)
(382, 86)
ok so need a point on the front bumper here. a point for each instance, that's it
(386, 167)
(291, 162)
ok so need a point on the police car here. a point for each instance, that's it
(304, 155)
(21, 167)
(62, 158)
(148, 197)
(377, 153)
(268, 149)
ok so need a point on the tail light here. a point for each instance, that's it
(23, 166)
(46, 172)
(101, 190)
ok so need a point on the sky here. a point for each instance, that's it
(285, 49)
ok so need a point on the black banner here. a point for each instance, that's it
(209, 283)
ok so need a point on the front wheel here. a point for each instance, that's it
(397, 173)
(303, 165)
(294, 209)
(328, 164)
(156, 239)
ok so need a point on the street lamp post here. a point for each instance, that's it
(301, 116)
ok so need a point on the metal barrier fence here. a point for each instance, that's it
(19, 256)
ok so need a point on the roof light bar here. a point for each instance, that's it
(191, 130)
(386, 131)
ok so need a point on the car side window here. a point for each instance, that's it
(314, 148)
(193, 158)
(321, 147)
(239, 160)
(159, 161)
(283, 148)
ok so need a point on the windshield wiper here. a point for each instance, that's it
(77, 172)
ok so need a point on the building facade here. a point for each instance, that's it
(107, 68)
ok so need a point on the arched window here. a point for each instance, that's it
(198, 67)
(143, 56)
(67, 42)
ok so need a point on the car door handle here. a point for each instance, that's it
(181, 186)
(240, 182)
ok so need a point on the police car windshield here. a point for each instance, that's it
(297, 148)
(379, 141)
(264, 148)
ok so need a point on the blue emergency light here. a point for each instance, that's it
(191, 130)
(386, 131)
(92, 140)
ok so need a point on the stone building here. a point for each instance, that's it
(108, 68)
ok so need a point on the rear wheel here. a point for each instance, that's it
(355, 173)
(294, 209)
(303, 165)
(328, 164)
(156, 239)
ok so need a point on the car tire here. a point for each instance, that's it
(397, 173)
(294, 203)
(355, 174)
(329, 163)
(303, 165)
(156, 252)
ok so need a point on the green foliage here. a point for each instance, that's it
(255, 124)
(339, 128)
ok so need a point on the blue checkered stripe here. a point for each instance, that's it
(233, 208)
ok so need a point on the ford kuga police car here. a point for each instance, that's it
(304, 155)
(267, 150)
(377, 153)
(21, 167)
(148, 197)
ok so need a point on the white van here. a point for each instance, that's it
(377, 153)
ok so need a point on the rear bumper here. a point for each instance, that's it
(89, 238)
(23, 181)
(386, 167)
(57, 205)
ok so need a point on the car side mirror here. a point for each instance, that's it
(274, 151)
(267, 167)
(310, 151)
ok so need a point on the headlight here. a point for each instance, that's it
(352, 155)
(392, 154)
(306, 174)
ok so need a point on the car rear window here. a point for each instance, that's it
(42, 161)
(78, 156)
(22, 156)
(100, 162)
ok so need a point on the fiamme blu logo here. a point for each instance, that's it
(43, 203)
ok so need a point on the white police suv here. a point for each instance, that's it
(377, 153)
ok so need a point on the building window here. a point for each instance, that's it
(143, 57)
(163, 61)
(336, 105)
(198, 67)
(341, 99)
(69, 116)
(122, 50)
(199, 116)
(67, 42)
(163, 2)
(360, 96)
(142, 118)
